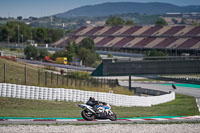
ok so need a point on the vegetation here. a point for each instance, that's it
(75, 80)
(157, 53)
(13, 107)
(14, 31)
(110, 55)
(161, 22)
(196, 23)
(79, 74)
(31, 52)
(84, 51)
(115, 21)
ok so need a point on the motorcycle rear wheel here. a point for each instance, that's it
(87, 116)
(113, 117)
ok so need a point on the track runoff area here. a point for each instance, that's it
(28, 120)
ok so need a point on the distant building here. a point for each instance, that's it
(181, 18)
(174, 39)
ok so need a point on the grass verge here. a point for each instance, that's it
(15, 74)
(12, 107)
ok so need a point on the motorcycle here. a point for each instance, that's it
(90, 114)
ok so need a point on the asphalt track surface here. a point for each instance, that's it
(190, 91)
(142, 120)
(57, 65)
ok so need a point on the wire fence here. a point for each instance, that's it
(26, 75)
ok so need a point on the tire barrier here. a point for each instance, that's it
(61, 94)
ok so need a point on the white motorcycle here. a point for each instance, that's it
(101, 112)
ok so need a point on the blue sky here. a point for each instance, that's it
(38, 8)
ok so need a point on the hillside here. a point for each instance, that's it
(107, 9)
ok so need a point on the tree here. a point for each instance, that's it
(31, 52)
(1, 34)
(114, 21)
(84, 51)
(42, 53)
(87, 43)
(19, 17)
(161, 22)
(88, 57)
(40, 35)
(157, 53)
(54, 34)
(110, 55)
(195, 23)
(10, 30)
(175, 21)
(129, 22)
(60, 53)
(70, 51)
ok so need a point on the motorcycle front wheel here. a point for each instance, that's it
(113, 117)
(87, 115)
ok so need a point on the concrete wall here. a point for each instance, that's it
(139, 91)
(61, 94)
(111, 67)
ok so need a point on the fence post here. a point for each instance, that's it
(87, 82)
(67, 81)
(71, 81)
(75, 82)
(84, 83)
(80, 82)
(104, 81)
(4, 77)
(101, 82)
(91, 83)
(97, 82)
(116, 82)
(25, 74)
(62, 80)
(45, 77)
(129, 82)
(51, 78)
(38, 77)
(57, 80)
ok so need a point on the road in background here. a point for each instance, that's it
(57, 65)
(190, 91)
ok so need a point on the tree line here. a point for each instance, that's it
(17, 32)
(117, 21)
(84, 51)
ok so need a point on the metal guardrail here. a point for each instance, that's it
(181, 79)
(23, 46)
(158, 58)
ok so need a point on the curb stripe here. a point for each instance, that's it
(161, 118)
(45, 120)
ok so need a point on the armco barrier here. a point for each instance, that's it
(61, 94)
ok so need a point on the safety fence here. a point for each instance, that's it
(27, 75)
(61, 94)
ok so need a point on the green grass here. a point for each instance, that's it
(12, 107)
(181, 106)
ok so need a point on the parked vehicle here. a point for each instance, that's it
(47, 59)
(61, 60)
(98, 110)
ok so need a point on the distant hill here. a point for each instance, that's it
(107, 9)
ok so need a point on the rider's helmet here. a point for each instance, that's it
(92, 99)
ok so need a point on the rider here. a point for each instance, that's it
(96, 104)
